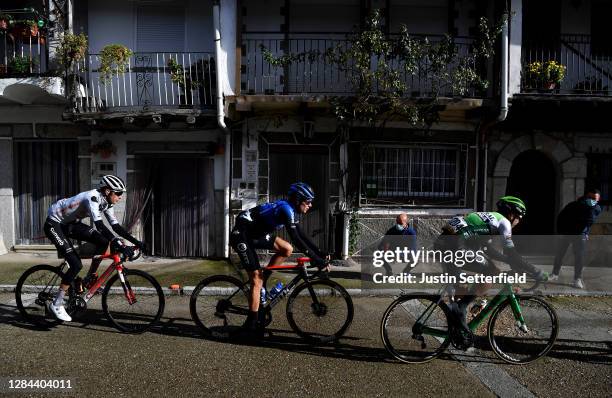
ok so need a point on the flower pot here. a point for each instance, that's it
(25, 31)
(550, 86)
(3, 24)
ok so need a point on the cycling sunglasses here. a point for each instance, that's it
(118, 193)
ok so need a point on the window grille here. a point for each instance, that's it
(418, 175)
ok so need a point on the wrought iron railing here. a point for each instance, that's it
(149, 81)
(22, 53)
(315, 75)
(588, 66)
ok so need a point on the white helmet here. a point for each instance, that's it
(115, 183)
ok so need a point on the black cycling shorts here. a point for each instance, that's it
(245, 244)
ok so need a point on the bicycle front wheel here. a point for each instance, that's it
(219, 305)
(414, 329)
(523, 342)
(320, 311)
(36, 288)
(135, 305)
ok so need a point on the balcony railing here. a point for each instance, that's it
(588, 66)
(22, 54)
(151, 81)
(314, 75)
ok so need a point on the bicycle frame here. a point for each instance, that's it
(117, 265)
(287, 289)
(301, 276)
(505, 293)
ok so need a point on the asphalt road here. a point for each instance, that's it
(174, 360)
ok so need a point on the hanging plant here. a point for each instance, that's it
(72, 48)
(113, 60)
(104, 148)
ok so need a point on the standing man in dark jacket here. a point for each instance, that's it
(574, 224)
(400, 233)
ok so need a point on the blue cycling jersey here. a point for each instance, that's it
(268, 217)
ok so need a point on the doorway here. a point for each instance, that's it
(309, 164)
(533, 179)
(178, 217)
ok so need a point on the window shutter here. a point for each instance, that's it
(160, 28)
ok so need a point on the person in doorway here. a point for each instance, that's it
(64, 222)
(574, 224)
(400, 234)
(254, 230)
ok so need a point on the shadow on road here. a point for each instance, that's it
(592, 352)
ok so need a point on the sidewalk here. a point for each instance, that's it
(188, 272)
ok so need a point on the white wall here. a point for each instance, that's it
(7, 216)
(110, 21)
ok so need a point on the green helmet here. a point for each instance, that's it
(511, 204)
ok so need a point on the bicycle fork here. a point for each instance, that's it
(127, 288)
(518, 315)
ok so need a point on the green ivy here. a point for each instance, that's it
(376, 65)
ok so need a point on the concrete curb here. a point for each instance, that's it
(187, 290)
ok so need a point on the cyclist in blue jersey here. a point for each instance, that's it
(64, 222)
(254, 229)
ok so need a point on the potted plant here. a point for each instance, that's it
(21, 65)
(25, 28)
(104, 148)
(185, 81)
(5, 21)
(113, 60)
(544, 75)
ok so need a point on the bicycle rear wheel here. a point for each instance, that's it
(415, 329)
(36, 288)
(320, 310)
(136, 305)
(219, 305)
(516, 343)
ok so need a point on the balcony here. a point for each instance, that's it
(150, 82)
(24, 74)
(588, 66)
(313, 75)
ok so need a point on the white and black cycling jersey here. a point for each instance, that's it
(86, 204)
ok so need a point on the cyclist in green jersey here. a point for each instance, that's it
(472, 228)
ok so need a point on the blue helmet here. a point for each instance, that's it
(301, 191)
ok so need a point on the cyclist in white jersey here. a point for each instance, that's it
(64, 222)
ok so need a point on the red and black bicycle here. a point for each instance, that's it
(319, 310)
(132, 300)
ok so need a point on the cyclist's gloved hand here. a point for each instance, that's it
(127, 251)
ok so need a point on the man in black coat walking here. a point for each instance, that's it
(574, 224)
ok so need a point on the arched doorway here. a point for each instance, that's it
(533, 179)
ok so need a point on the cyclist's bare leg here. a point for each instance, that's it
(256, 279)
(283, 251)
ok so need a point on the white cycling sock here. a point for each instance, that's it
(59, 299)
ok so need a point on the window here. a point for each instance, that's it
(424, 174)
(599, 175)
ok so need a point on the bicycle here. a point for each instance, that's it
(219, 304)
(135, 311)
(416, 328)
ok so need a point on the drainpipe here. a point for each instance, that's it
(222, 126)
(503, 108)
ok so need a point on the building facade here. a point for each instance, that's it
(201, 125)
